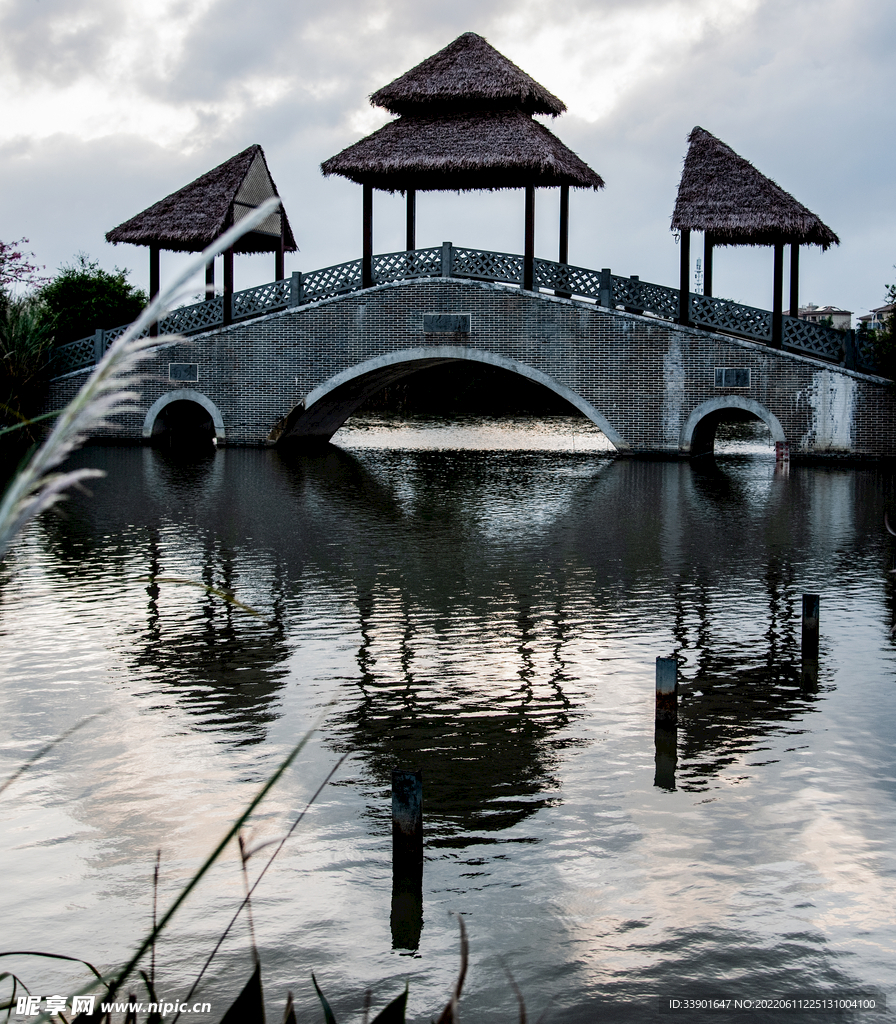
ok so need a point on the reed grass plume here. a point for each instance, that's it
(106, 393)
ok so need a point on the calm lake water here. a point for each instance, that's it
(484, 601)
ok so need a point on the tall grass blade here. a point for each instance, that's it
(261, 875)
(329, 1018)
(249, 1005)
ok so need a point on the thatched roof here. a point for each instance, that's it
(468, 74)
(724, 195)
(478, 149)
(191, 218)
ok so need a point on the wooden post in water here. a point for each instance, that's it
(665, 740)
(407, 859)
(811, 609)
(665, 731)
(666, 691)
(809, 646)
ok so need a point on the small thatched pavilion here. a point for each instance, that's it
(193, 217)
(464, 124)
(725, 197)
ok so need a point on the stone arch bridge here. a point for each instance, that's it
(304, 353)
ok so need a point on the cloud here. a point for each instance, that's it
(123, 101)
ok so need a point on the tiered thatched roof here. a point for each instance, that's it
(193, 217)
(723, 195)
(465, 124)
(484, 149)
(468, 73)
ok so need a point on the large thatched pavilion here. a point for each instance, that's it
(725, 197)
(464, 123)
(193, 217)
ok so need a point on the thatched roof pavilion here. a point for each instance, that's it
(194, 216)
(732, 203)
(465, 123)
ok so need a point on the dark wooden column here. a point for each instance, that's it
(281, 250)
(228, 286)
(684, 278)
(564, 224)
(707, 264)
(564, 235)
(411, 229)
(529, 247)
(794, 278)
(153, 283)
(210, 280)
(367, 239)
(778, 297)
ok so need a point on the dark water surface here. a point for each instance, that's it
(486, 603)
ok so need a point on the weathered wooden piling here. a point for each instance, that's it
(407, 859)
(809, 645)
(666, 691)
(665, 739)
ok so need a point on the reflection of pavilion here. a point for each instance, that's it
(431, 545)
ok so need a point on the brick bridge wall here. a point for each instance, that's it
(647, 382)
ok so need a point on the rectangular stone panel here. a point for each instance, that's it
(183, 371)
(732, 376)
(446, 323)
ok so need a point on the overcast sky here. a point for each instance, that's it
(109, 105)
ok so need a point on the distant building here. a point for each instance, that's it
(840, 318)
(877, 318)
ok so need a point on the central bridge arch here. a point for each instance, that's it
(329, 405)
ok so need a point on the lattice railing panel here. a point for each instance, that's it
(719, 314)
(73, 356)
(324, 284)
(403, 266)
(651, 298)
(487, 266)
(202, 316)
(560, 277)
(813, 339)
(265, 298)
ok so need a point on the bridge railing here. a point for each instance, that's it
(600, 287)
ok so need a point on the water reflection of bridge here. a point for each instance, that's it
(473, 618)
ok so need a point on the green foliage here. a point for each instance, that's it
(26, 340)
(881, 344)
(83, 297)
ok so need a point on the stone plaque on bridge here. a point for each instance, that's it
(183, 371)
(732, 376)
(446, 323)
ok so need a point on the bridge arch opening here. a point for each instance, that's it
(184, 419)
(328, 406)
(717, 421)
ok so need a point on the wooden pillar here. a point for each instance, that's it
(794, 278)
(407, 859)
(154, 283)
(684, 278)
(564, 224)
(411, 231)
(210, 280)
(228, 286)
(778, 297)
(367, 240)
(279, 273)
(564, 238)
(707, 264)
(529, 247)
